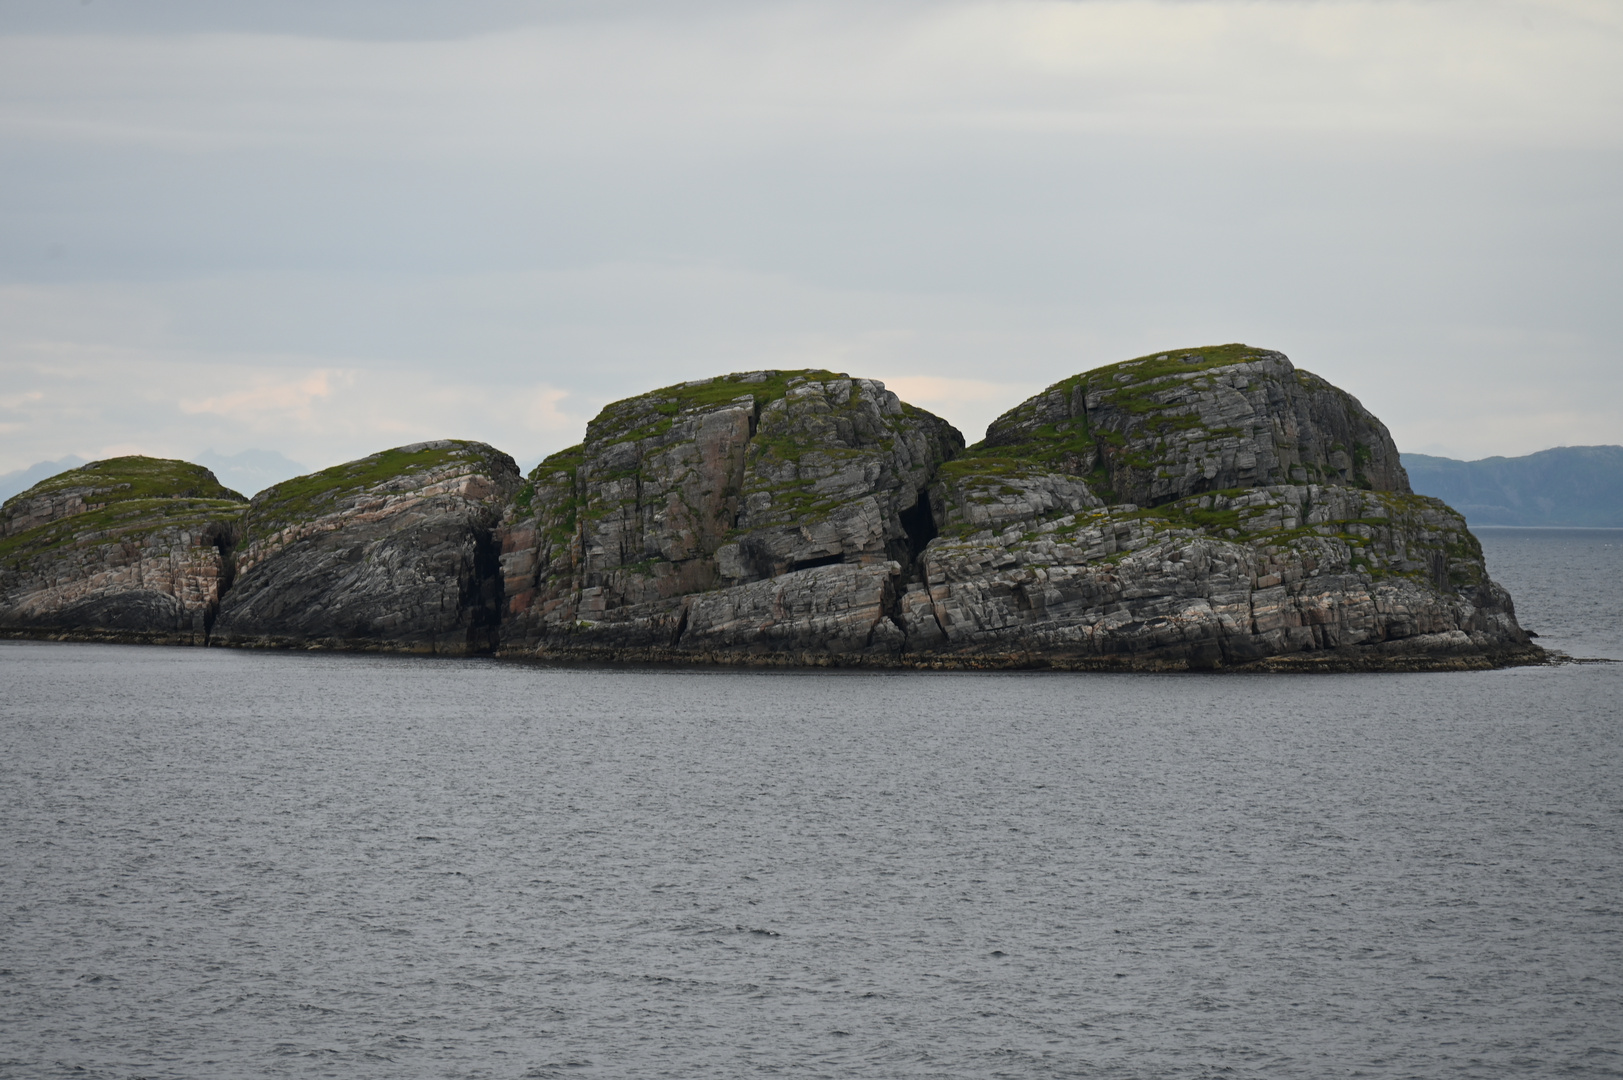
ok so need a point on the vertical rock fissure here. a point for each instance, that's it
(485, 593)
(225, 542)
(918, 528)
(890, 607)
(919, 567)
(918, 522)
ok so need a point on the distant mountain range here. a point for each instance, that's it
(251, 471)
(1569, 485)
(12, 483)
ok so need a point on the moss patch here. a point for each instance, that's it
(1176, 362)
(650, 415)
(566, 460)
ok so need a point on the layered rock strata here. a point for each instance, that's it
(393, 552)
(1201, 508)
(1303, 574)
(127, 549)
(769, 510)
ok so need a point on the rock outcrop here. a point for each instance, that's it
(770, 510)
(1200, 508)
(1178, 423)
(393, 552)
(127, 549)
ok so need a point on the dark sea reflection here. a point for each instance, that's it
(223, 864)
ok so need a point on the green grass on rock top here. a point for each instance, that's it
(650, 415)
(1176, 362)
(1017, 442)
(124, 479)
(317, 494)
(1128, 381)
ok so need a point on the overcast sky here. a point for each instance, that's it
(329, 229)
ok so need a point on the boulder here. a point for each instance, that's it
(1244, 512)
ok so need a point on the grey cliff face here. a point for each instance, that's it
(392, 552)
(1289, 570)
(1202, 508)
(720, 485)
(128, 549)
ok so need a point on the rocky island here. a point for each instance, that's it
(1194, 509)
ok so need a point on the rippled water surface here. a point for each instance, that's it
(224, 864)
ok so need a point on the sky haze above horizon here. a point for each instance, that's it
(325, 230)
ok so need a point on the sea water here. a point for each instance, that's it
(235, 864)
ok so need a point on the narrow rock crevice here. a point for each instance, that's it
(935, 613)
(890, 607)
(225, 543)
(484, 593)
(918, 521)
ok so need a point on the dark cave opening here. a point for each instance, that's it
(918, 521)
(483, 594)
(821, 560)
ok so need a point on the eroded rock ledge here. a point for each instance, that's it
(1194, 509)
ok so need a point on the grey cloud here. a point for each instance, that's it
(630, 196)
(367, 20)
